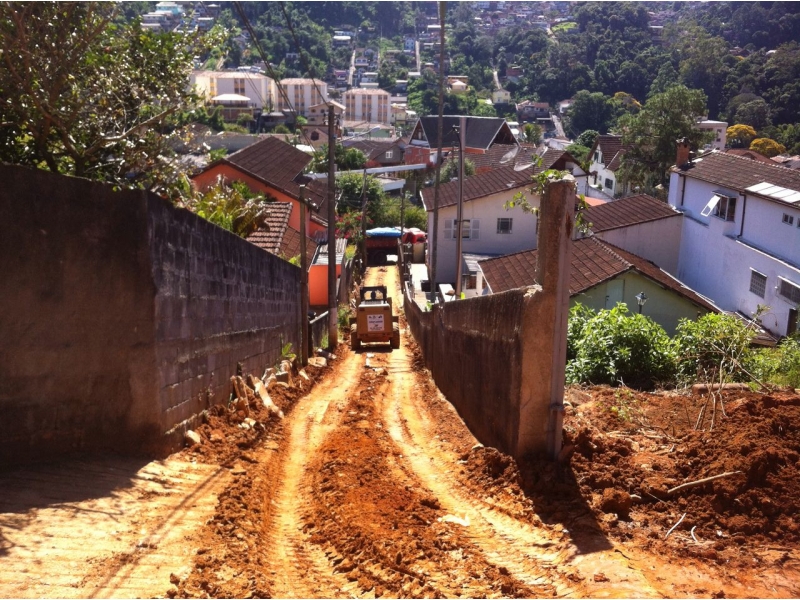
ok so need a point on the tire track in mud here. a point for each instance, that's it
(506, 530)
(387, 532)
(299, 569)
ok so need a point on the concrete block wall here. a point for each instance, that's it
(220, 302)
(119, 313)
(500, 359)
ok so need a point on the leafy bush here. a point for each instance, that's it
(613, 346)
(780, 365)
(715, 348)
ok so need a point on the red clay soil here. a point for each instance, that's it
(631, 449)
(379, 503)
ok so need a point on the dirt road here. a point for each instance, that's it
(373, 487)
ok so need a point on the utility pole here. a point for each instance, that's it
(333, 331)
(439, 128)
(305, 338)
(462, 127)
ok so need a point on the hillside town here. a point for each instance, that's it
(409, 299)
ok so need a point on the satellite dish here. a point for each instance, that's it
(510, 155)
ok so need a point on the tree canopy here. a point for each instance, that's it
(651, 134)
(83, 95)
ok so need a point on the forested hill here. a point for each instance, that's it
(744, 56)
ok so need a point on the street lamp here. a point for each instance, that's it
(641, 298)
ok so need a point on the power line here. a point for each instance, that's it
(270, 70)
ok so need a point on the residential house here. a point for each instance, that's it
(409, 45)
(317, 115)
(501, 96)
(602, 275)
(564, 106)
(481, 134)
(302, 94)
(257, 90)
(740, 243)
(532, 111)
(278, 237)
(274, 168)
(370, 105)
(719, 129)
(378, 153)
(606, 159)
(642, 225)
(488, 229)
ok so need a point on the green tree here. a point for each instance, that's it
(754, 113)
(82, 95)
(449, 169)
(650, 135)
(587, 138)
(590, 110)
(532, 132)
(231, 205)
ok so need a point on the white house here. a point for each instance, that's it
(255, 89)
(606, 159)
(740, 243)
(720, 131)
(488, 229)
(642, 225)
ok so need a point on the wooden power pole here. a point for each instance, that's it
(333, 331)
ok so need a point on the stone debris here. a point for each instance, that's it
(192, 438)
(317, 361)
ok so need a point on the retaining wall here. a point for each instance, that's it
(500, 359)
(123, 317)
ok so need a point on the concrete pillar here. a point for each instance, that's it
(544, 326)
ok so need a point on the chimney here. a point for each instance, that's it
(682, 154)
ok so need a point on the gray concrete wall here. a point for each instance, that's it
(500, 359)
(123, 317)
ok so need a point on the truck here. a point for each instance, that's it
(380, 242)
(374, 321)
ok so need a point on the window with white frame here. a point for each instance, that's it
(788, 219)
(504, 225)
(470, 229)
(758, 283)
(726, 209)
(721, 206)
(389, 153)
(789, 290)
(609, 183)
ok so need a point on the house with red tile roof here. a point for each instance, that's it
(740, 240)
(488, 229)
(601, 276)
(275, 168)
(278, 237)
(606, 159)
(642, 225)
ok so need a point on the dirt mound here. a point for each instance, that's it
(630, 451)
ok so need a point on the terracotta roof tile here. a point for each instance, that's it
(279, 165)
(278, 238)
(270, 238)
(628, 211)
(494, 181)
(736, 172)
(593, 262)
